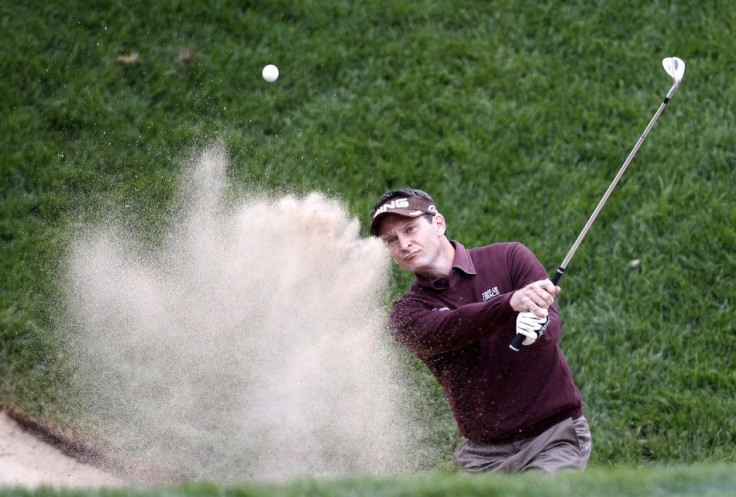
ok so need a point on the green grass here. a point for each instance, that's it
(515, 116)
(678, 481)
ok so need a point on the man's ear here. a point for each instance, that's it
(439, 219)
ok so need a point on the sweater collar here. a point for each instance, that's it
(462, 260)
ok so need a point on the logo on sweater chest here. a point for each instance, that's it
(490, 293)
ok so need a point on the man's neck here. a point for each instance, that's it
(443, 267)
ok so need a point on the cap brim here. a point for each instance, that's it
(376, 223)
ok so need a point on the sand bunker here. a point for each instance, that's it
(26, 461)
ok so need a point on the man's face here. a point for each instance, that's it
(414, 243)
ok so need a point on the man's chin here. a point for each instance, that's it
(406, 265)
(412, 266)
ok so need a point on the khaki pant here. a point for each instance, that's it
(566, 445)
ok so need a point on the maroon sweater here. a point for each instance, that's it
(461, 326)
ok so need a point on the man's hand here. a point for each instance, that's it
(536, 297)
(529, 325)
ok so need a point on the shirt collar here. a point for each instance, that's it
(461, 261)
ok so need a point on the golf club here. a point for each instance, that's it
(675, 67)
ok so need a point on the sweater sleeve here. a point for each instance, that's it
(426, 332)
(525, 268)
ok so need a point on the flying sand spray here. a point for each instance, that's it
(250, 344)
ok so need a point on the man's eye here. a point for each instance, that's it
(411, 228)
(391, 241)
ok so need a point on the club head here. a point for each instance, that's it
(675, 67)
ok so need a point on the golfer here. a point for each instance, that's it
(516, 410)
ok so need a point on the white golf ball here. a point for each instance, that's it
(270, 73)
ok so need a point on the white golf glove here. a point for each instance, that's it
(531, 326)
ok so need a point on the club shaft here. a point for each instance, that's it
(518, 339)
(613, 184)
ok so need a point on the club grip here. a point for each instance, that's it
(558, 274)
(515, 344)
